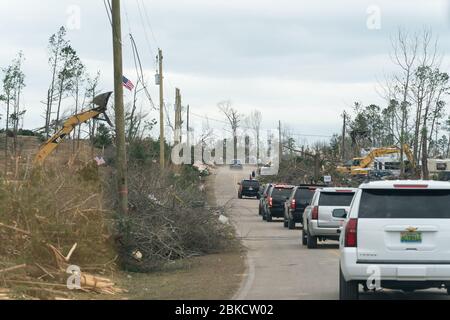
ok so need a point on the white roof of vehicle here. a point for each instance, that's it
(337, 189)
(407, 184)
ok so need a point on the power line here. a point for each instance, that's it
(141, 74)
(146, 15)
(246, 127)
(108, 10)
(152, 52)
(148, 21)
(136, 56)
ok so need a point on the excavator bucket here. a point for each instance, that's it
(102, 100)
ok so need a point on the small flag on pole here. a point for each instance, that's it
(127, 83)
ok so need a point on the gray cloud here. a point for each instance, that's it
(290, 59)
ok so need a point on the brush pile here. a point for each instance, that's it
(168, 220)
(51, 213)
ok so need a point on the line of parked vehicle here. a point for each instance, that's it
(392, 234)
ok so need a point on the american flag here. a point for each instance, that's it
(127, 83)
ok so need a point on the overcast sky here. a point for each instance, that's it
(301, 62)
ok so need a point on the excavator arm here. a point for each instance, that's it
(409, 155)
(366, 161)
(69, 125)
(370, 158)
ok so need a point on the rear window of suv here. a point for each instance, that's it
(405, 204)
(281, 192)
(304, 196)
(336, 199)
(250, 183)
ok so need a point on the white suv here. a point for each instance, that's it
(396, 236)
(319, 223)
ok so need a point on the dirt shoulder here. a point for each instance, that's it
(210, 277)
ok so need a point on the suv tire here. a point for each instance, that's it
(291, 224)
(304, 238)
(348, 290)
(311, 241)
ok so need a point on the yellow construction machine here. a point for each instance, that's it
(361, 165)
(52, 143)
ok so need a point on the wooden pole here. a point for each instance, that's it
(177, 131)
(188, 140)
(121, 157)
(279, 140)
(343, 137)
(161, 111)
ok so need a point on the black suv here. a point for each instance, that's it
(248, 188)
(263, 192)
(299, 199)
(278, 194)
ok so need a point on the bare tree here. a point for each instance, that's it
(71, 64)
(404, 55)
(234, 118)
(56, 44)
(254, 122)
(89, 94)
(426, 61)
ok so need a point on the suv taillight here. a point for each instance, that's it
(270, 202)
(351, 233)
(315, 213)
(293, 204)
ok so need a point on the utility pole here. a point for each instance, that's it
(177, 133)
(187, 128)
(279, 141)
(121, 155)
(161, 111)
(343, 136)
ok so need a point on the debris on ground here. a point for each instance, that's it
(5, 294)
(223, 219)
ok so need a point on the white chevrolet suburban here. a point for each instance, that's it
(397, 236)
(319, 223)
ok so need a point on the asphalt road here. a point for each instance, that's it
(278, 266)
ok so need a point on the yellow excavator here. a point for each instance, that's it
(360, 166)
(52, 143)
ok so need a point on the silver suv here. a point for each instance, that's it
(319, 222)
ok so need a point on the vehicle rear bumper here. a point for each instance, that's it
(317, 231)
(297, 216)
(277, 212)
(250, 193)
(354, 270)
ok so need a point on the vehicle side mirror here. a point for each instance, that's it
(239, 183)
(340, 213)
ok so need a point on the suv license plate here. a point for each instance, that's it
(411, 237)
